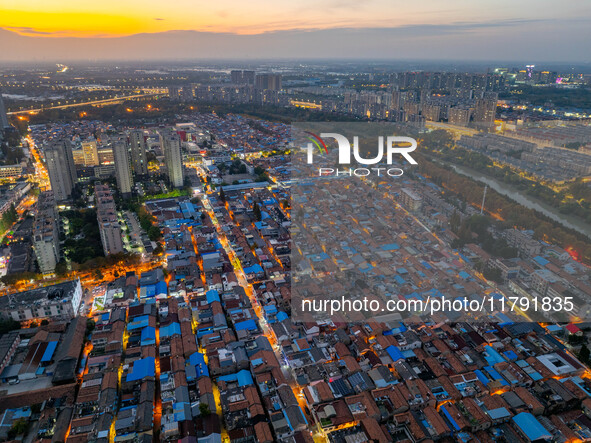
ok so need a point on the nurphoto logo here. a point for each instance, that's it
(387, 146)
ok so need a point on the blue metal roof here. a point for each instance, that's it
(254, 269)
(161, 288)
(242, 377)
(170, 330)
(498, 413)
(198, 360)
(49, 351)
(510, 355)
(450, 418)
(541, 261)
(481, 377)
(492, 357)
(464, 275)
(138, 322)
(146, 367)
(270, 309)
(212, 295)
(249, 325)
(394, 353)
(148, 336)
(495, 375)
(399, 280)
(531, 427)
(426, 265)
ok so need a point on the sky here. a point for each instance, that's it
(462, 29)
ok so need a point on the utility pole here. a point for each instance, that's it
(483, 197)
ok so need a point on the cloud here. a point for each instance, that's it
(158, 18)
(27, 30)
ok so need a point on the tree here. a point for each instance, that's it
(8, 218)
(9, 325)
(18, 427)
(61, 268)
(222, 195)
(257, 212)
(90, 325)
(455, 221)
(204, 409)
(493, 274)
(11, 279)
(584, 354)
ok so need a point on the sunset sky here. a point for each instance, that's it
(104, 18)
(465, 29)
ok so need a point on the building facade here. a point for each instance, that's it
(109, 227)
(61, 169)
(122, 168)
(46, 234)
(60, 301)
(137, 143)
(3, 117)
(90, 150)
(171, 146)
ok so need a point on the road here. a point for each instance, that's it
(257, 308)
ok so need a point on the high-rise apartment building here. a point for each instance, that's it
(3, 117)
(268, 81)
(239, 77)
(174, 93)
(109, 227)
(61, 168)
(485, 111)
(459, 115)
(105, 155)
(78, 156)
(137, 143)
(46, 234)
(90, 150)
(122, 168)
(431, 112)
(170, 143)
